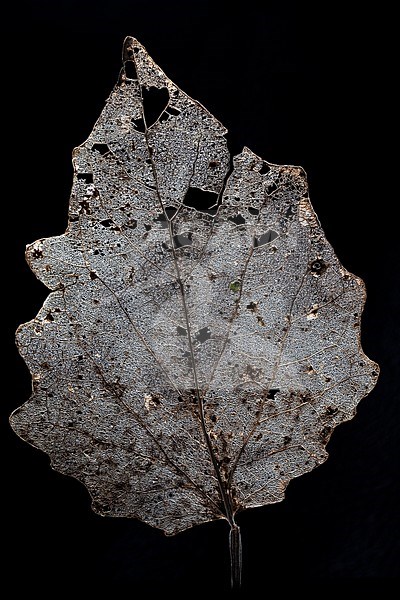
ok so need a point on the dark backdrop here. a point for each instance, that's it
(297, 86)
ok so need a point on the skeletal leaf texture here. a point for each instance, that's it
(201, 339)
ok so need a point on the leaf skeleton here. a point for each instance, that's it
(201, 339)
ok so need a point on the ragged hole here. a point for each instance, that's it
(265, 238)
(203, 335)
(130, 69)
(165, 216)
(86, 177)
(253, 211)
(102, 148)
(237, 219)
(200, 199)
(271, 188)
(182, 240)
(139, 125)
(155, 101)
(264, 169)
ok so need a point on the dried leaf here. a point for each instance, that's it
(202, 339)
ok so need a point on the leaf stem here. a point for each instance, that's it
(235, 543)
(235, 549)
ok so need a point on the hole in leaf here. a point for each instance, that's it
(173, 111)
(164, 117)
(84, 207)
(253, 211)
(155, 101)
(139, 124)
(168, 113)
(127, 53)
(107, 223)
(181, 240)
(290, 212)
(155, 398)
(271, 188)
(203, 334)
(272, 393)
(130, 69)
(265, 238)
(237, 219)
(168, 214)
(102, 148)
(86, 177)
(200, 199)
(252, 306)
(264, 169)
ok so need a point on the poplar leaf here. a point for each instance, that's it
(201, 339)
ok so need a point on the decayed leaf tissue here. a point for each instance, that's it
(201, 340)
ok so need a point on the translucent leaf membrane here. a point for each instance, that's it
(201, 340)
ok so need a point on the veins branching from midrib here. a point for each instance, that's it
(241, 276)
(234, 315)
(226, 500)
(119, 400)
(218, 204)
(258, 418)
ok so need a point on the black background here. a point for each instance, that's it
(298, 86)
